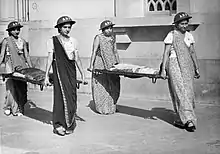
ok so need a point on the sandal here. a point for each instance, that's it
(19, 114)
(190, 127)
(7, 112)
(67, 132)
(59, 131)
(179, 124)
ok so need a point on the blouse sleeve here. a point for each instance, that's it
(192, 41)
(50, 47)
(169, 38)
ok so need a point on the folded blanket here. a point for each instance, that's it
(32, 75)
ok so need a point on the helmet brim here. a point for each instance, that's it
(184, 18)
(111, 25)
(71, 22)
(19, 26)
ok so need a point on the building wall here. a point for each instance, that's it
(129, 8)
(146, 32)
(52, 9)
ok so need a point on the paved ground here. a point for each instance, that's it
(140, 127)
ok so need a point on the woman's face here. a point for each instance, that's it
(108, 31)
(15, 32)
(182, 26)
(65, 29)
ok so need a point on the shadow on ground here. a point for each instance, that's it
(34, 112)
(164, 114)
(155, 113)
(91, 105)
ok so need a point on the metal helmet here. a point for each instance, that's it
(13, 24)
(64, 19)
(106, 23)
(180, 17)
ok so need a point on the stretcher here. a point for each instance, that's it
(131, 71)
(33, 76)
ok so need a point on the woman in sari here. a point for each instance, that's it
(14, 55)
(64, 57)
(105, 87)
(181, 66)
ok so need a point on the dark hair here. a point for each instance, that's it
(9, 33)
(58, 30)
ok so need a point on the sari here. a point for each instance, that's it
(105, 87)
(181, 78)
(64, 84)
(16, 91)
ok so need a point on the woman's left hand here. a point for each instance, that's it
(84, 82)
(197, 74)
(163, 74)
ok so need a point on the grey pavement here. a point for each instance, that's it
(141, 126)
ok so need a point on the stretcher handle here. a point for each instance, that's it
(92, 71)
(78, 82)
(89, 70)
(154, 79)
(41, 87)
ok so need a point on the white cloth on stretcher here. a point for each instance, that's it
(17, 74)
(134, 69)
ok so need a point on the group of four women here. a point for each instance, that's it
(179, 64)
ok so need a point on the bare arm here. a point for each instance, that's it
(26, 54)
(49, 62)
(50, 51)
(116, 53)
(195, 61)
(165, 58)
(3, 49)
(94, 50)
(194, 57)
(79, 65)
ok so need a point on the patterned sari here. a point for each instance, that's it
(105, 87)
(181, 77)
(64, 82)
(16, 91)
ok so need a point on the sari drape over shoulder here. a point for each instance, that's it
(181, 77)
(65, 96)
(16, 91)
(105, 87)
(16, 60)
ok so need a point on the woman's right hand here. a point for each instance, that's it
(90, 69)
(163, 74)
(47, 82)
(2, 65)
(197, 74)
